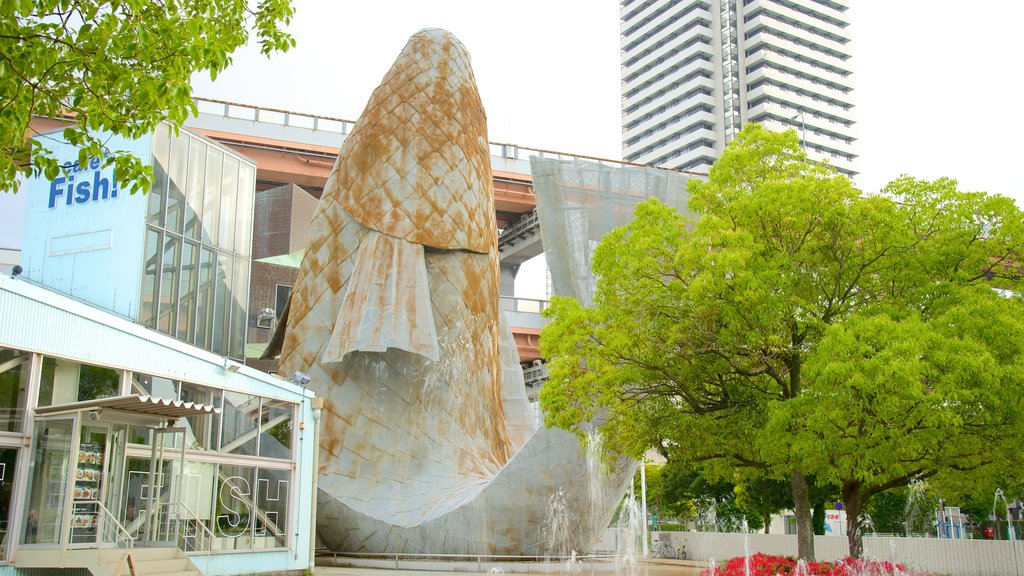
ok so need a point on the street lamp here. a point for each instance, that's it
(803, 130)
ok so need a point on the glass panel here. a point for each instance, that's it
(276, 429)
(222, 304)
(187, 299)
(194, 191)
(234, 507)
(14, 374)
(85, 514)
(176, 181)
(239, 303)
(158, 386)
(211, 196)
(48, 475)
(281, 295)
(97, 382)
(63, 382)
(158, 192)
(197, 489)
(8, 461)
(169, 285)
(272, 506)
(137, 492)
(202, 432)
(228, 198)
(241, 417)
(150, 275)
(243, 220)
(204, 299)
(146, 385)
(114, 475)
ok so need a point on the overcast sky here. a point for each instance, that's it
(933, 79)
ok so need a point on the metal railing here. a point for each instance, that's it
(517, 152)
(524, 305)
(109, 532)
(547, 564)
(178, 523)
(527, 224)
(343, 126)
(273, 116)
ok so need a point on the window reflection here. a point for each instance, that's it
(169, 285)
(50, 467)
(202, 194)
(271, 518)
(158, 192)
(14, 376)
(177, 172)
(276, 428)
(202, 432)
(240, 417)
(194, 188)
(64, 381)
(234, 507)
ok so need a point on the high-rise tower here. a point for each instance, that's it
(695, 71)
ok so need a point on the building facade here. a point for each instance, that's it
(114, 437)
(175, 259)
(127, 420)
(695, 71)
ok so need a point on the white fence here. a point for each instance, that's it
(934, 555)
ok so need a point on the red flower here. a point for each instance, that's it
(765, 565)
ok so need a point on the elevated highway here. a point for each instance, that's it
(300, 149)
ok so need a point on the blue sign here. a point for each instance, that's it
(839, 505)
(79, 186)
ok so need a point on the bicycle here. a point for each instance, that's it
(665, 549)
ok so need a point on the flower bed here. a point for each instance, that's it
(765, 565)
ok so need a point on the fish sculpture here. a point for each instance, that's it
(428, 442)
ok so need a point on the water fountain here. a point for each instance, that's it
(920, 498)
(557, 529)
(1011, 533)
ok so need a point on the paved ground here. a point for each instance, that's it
(652, 567)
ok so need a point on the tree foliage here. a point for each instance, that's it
(119, 66)
(796, 324)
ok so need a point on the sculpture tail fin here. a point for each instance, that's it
(276, 343)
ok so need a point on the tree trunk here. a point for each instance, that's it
(853, 503)
(818, 518)
(804, 526)
(767, 523)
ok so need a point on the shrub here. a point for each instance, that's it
(765, 565)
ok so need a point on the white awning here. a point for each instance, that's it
(134, 404)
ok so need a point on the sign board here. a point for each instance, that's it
(83, 232)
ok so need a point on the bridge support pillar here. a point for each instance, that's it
(508, 279)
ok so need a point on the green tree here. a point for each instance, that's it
(899, 395)
(887, 511)
(702, 332)
(119, 66)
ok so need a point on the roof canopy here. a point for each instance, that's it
(134, 404)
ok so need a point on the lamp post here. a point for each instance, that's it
(803, 130)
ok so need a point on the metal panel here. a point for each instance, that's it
(39, 320)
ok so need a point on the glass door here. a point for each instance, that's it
(151, 489)
(8, 460)
(114, 477)
(48, 477)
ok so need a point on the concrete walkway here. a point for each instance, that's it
(647, 567)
